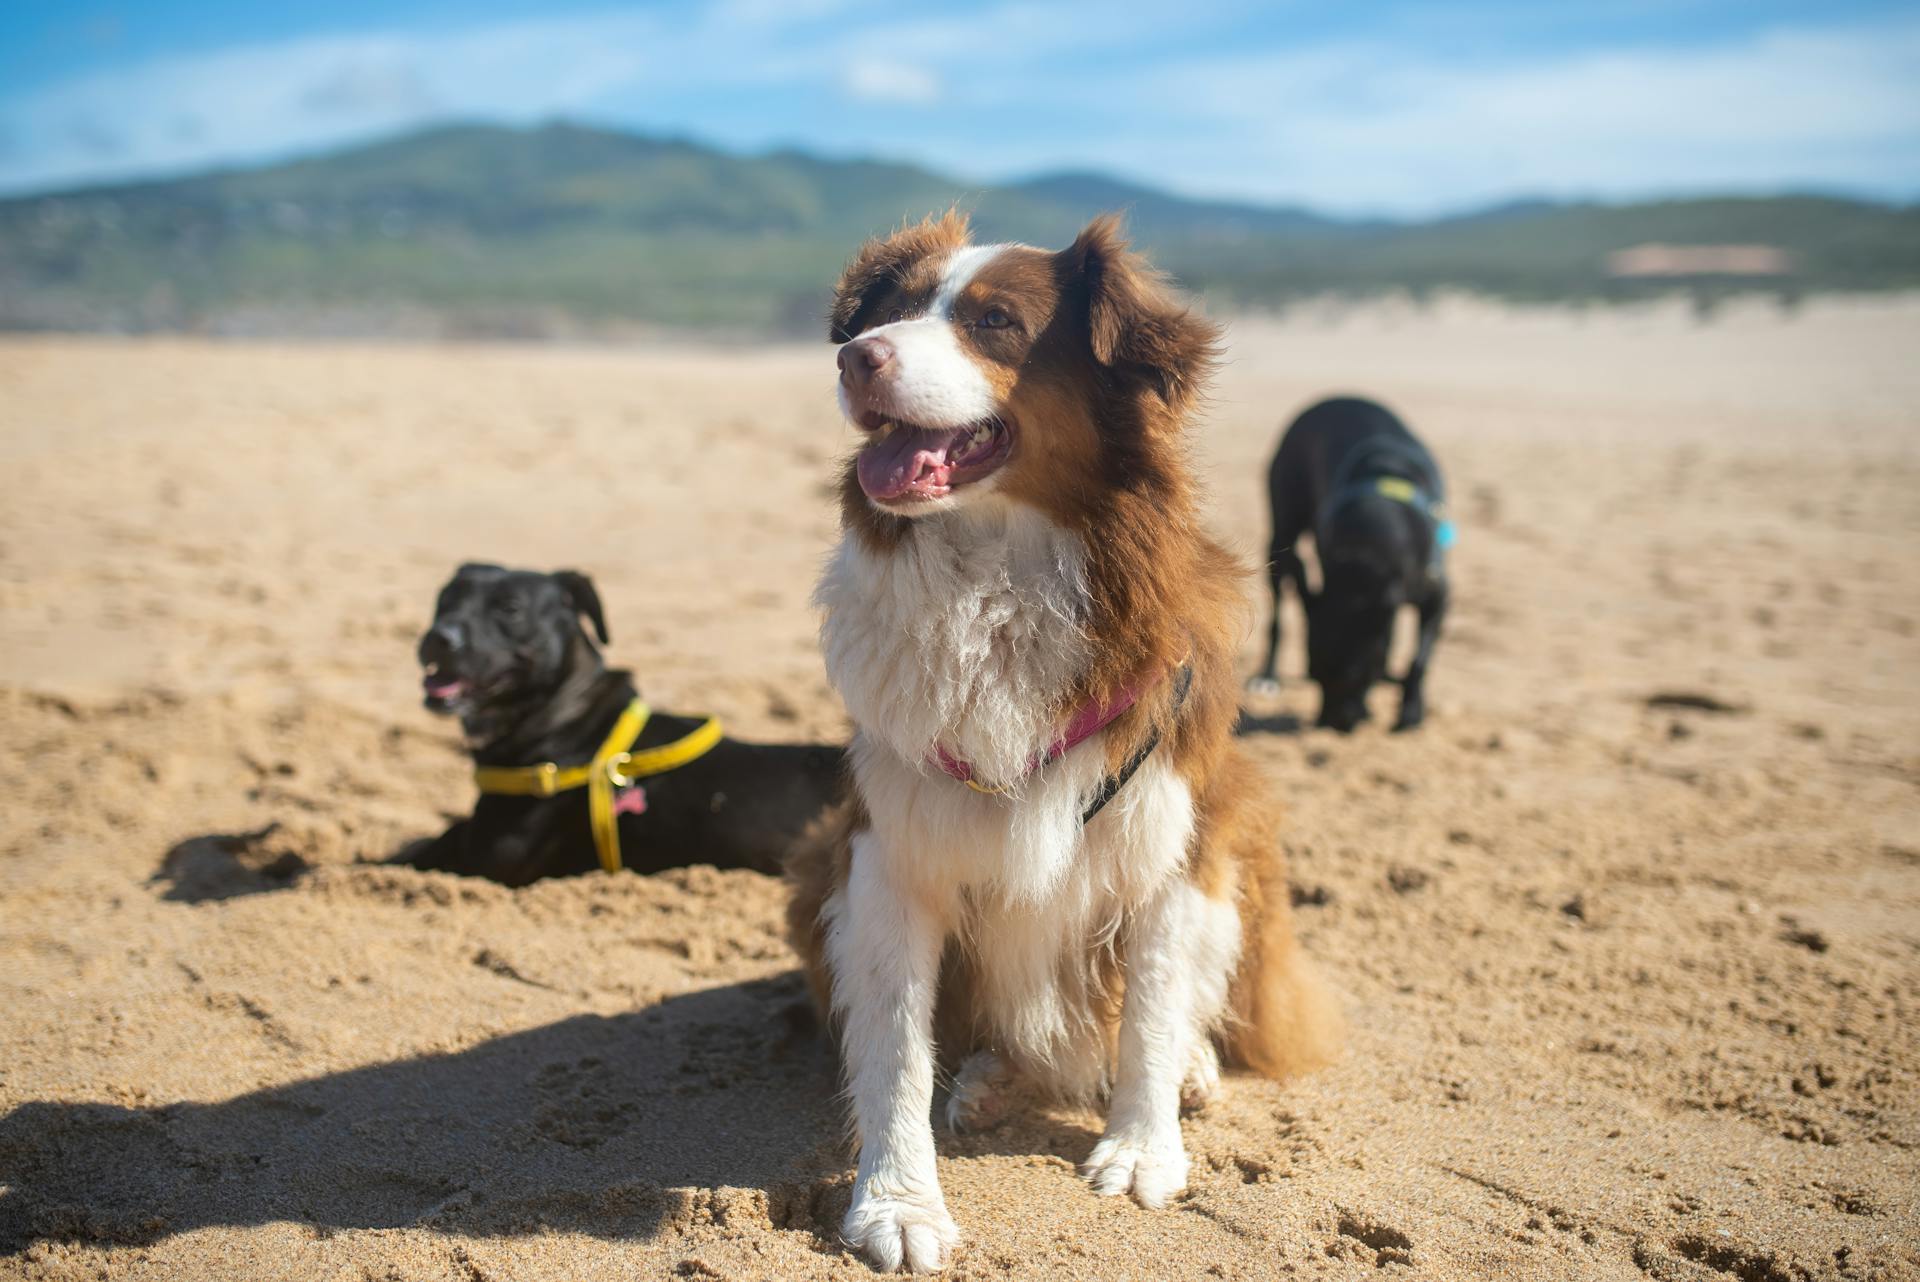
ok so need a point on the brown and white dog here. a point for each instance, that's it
(1022, 611)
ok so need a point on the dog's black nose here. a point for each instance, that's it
(862, 360)
(440, 643)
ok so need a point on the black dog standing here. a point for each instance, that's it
(507, 655)
(1352, 473)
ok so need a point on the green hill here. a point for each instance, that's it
(508, 230)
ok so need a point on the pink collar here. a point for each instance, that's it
(1089, 720)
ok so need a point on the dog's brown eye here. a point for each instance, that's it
(896, 315)
(994, 318)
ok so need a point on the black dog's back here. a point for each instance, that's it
(1326, 442)
(738, 805)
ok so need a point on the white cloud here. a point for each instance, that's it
(870, 80)
(278, 98)
(371, 87)
(1393, 130)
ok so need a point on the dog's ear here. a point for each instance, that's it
(881, 263)
(1136, 327)
(580, 592)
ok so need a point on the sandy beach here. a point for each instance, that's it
(1628, 935)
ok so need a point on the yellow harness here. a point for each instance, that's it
(613, 767)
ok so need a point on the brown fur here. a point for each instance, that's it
(816, 864)
(1099, 373)
(887, 263)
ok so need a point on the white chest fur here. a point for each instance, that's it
(965, 637)
(962, 637)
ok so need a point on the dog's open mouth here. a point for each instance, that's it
(904, 463)
(442, 689)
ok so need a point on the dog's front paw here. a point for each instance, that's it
(891, 1231)
(1152, 1172)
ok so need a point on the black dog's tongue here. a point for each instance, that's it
(442, 687)
(909, 460)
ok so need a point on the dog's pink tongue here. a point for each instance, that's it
(907, 460)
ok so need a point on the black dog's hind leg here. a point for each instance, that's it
(1413, 704)
(1286, 564)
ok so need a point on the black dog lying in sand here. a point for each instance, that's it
(1351, 472)
(575, 772)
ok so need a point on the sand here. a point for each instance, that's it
(1629, 935)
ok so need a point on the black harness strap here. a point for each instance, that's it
(1110, 786)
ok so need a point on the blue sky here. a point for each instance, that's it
(1359, 107)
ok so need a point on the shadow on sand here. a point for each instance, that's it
(615, 1126)
(227, 865)
(1277, 723)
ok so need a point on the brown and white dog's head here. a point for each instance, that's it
(1009, 371)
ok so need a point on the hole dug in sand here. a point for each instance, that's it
(225, 865)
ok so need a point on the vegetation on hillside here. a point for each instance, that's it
(486, 229)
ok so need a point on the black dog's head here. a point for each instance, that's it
(1349, 627)
(505, 639)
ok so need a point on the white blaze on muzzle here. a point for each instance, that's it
(934, 381)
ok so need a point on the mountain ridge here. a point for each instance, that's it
(590, 227)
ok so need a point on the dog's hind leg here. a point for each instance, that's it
(981, 1093)
(1180, 954)
(1203, 1077)
(1284, 565)
(445, 853)
(1413, 703)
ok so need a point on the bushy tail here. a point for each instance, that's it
(1285, 1019)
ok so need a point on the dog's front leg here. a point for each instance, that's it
(884, 944)
(1180, 950)
(1413, 699)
